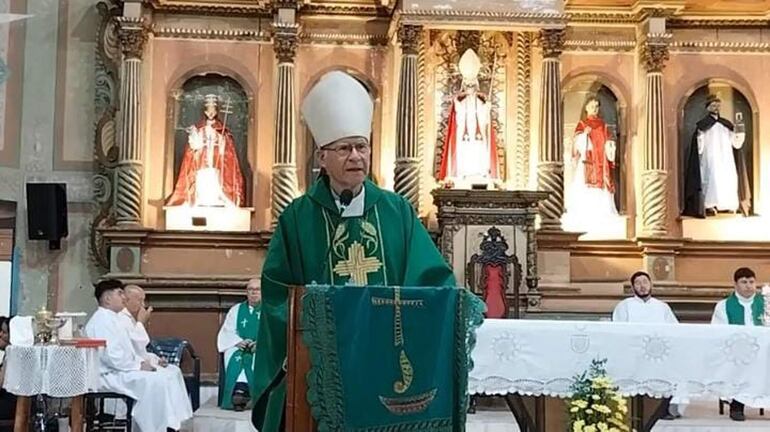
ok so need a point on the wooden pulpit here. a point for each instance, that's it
(298, 415)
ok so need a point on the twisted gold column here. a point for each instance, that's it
(550, 167)
(407, 171)
(284, 178)
(655, 175)
(128, 199)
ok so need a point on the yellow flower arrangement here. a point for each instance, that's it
(595, 405)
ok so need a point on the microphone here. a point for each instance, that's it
(346, 196)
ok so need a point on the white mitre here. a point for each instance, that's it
(338, 106)
(469, 66)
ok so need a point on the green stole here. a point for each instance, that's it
(247, 325)
(735, 312)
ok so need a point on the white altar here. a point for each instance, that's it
(686, 361)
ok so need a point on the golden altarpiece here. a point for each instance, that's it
(547, 144)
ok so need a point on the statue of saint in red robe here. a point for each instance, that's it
(469, 153)
(590, 198)
(210, 174)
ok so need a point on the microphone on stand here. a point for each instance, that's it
(346, 196)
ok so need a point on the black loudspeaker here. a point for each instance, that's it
(47, 212)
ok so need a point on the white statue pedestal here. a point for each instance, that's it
(228, 219)
(608, 227)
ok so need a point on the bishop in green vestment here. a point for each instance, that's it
(344, 230)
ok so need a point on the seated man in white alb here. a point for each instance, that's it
(135, 317)
(644, 308)
(237, 339)
(158, 404)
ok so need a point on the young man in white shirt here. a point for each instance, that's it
(644, 308)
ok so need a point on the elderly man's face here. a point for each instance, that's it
(346, 161)
(253, 293)
(134, 300)
(746, 287)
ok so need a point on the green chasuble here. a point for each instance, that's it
(247, 324)
(387, 245)
(735, 311)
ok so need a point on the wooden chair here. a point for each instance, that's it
(98, 420)
(173, 350)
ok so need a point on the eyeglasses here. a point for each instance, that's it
(344, 150)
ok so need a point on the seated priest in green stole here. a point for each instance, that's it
(344, 230)
(237, 340)
(743, 307)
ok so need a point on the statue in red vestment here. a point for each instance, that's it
(590, 196)
(210, 174)
(469, 153)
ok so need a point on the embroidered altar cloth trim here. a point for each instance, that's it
(686, 361)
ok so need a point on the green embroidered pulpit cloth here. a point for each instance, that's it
(389, 358)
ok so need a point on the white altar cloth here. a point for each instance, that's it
(687, 361)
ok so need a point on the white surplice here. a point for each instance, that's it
(635, 309)
(228, 338)
(158, 402)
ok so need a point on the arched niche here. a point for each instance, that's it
(737, 107)
(307, 152)
(576, 93)
(186, 103)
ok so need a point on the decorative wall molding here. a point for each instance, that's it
(718, 46)
(260, 8)
(198, 33)
(699, 23)
(432, 17)
(320, 38)
(599, 45)
(337, 9)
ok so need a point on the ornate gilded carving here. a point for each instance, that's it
(213, 34)
(655, 53)
(107, 62)
(257, 8)
(285, 41)
(133, 36)
(409, 38)
(345, 39)
(718, 46)
(599, 45)
(523, 89)
(552, 42)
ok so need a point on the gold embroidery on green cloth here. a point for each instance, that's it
(409, 404)
(357, 265)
